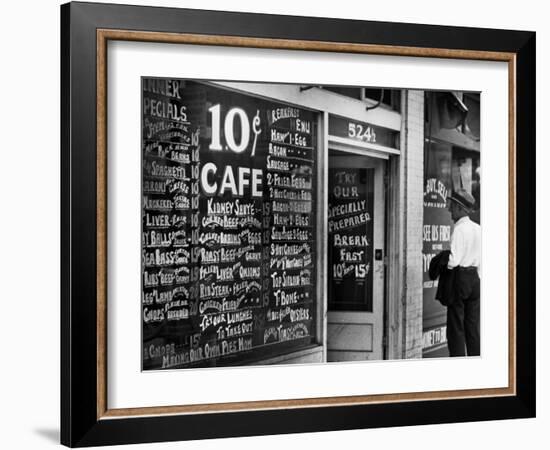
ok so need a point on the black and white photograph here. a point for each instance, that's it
(274, 225)
(303, 224)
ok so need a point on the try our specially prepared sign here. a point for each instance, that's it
(350, 235)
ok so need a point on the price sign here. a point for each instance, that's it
(228, 226)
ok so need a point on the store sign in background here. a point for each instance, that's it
(436, 234)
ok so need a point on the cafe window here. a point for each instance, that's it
(229, 226)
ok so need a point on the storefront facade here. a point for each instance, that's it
(452, 161)
(333, 182)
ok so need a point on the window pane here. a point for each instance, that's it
(228, 232)
(352, 92)
(350, 240)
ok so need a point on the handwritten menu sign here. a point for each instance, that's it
(350, 229)
(436, 232)
(228, 226)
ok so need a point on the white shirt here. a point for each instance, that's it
(465, 244)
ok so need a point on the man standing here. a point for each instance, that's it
(463, 312)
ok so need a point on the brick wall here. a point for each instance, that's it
(413, 210)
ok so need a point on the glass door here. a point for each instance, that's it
(355, 281)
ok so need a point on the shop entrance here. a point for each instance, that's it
(355, 260)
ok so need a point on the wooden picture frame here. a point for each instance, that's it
(86, 418)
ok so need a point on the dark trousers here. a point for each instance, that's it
(463, 315)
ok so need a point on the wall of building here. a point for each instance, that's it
(306, 356)
(413, 162)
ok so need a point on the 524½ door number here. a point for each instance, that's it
(362, 133)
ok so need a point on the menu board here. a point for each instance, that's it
(228, 233)
(350, 235)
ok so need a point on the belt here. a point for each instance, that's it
(467, 269)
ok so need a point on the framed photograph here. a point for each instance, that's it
(278, 224)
